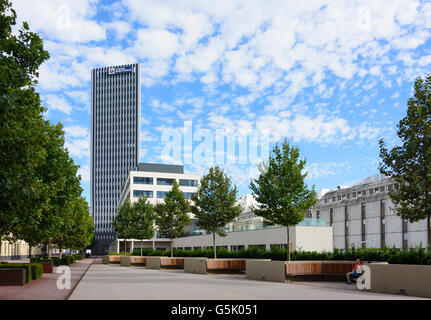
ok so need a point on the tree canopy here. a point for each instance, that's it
(410, 163)
(172, 216)
(215, 203)
(280, 190)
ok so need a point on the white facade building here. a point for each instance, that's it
(362, 215)
(154, 181)
(249, 230)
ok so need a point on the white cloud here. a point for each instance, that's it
(79, 148)
(58, 102)
(68, 20)
(84, 172)
(76, 131)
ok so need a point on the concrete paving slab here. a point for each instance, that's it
(46, 287)
(107, 282)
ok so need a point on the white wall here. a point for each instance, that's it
(302, 237)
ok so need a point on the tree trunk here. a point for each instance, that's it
(29, 251)
(125, 246)
(214, 246)
(172, 250)
(141, 247)
(288, 244)
(59, 251)
(49, 250)
(429, 232)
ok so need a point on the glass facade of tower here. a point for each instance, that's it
(115, 127)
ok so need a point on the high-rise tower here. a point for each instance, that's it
(115, 127)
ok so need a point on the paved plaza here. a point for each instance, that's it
(107, 282)
(45, 288)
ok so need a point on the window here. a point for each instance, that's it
(331, 216)
(188, 195)
(142, 180)
(165, 182)
(318, 214)
(138, 193)
(188, 183)
(161, 194)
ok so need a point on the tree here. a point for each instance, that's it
(22, 133)
(283, 197)
(172, 215)
(81, 230)
(143, 220)
(409, 165)
(122, 222)
(215, 203)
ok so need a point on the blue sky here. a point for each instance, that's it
(332, 77)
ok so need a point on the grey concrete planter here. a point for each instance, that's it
(153, 263)
(105, 259)
(412, 280)
(125, 261)
(195, 265)
(266, 270)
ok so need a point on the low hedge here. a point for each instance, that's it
(390, 255)
(32, 270)
(65, 260)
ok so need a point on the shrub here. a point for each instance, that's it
(391, 255)
(36, 270)
(27, 267)
(78, 256)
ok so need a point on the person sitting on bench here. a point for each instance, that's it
(356, 272)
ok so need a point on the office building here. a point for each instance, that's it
(115, 131)
(363, 216)
(249, 230)
(154, 181)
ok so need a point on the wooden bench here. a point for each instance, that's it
(114, 259)
(226, 265)
(318, 271)
(138, 261)
(12, 277)
(172, 263)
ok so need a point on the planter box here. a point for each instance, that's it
(266, 270)
(47, 267)
(153, 263)
(12, 277)
(125, 261)
(172, 263)
(195, 265)
(105, 259)
(226, 265)
(138, 261)
(412, 280)
(114, 259)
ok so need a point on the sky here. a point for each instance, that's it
(332, 77)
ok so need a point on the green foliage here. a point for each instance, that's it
(171, 216)
(215, 202)
(39, 184)
(410, 164)
(280, 190)
(390, 255)
(22, 128)
(27, 267)
(142, 219)
(36, 271)
(122, 221)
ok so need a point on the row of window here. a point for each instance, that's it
(160, 194)
(362, 193)
(165, 181)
